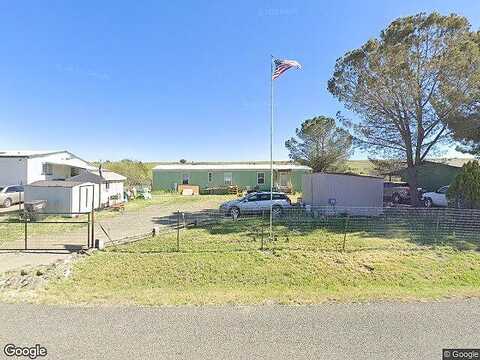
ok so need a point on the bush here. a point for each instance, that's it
(465, 189)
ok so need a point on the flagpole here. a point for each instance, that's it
(271, 148)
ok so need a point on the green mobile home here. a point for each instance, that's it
(432, 175)
(248, 176)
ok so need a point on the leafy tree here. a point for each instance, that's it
(183, 161)
(465, 189)
(320, 144)
(136, 172)
(419, 76)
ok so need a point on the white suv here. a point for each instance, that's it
(257, 202)
(437, 198)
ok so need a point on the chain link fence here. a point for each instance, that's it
(312, 229)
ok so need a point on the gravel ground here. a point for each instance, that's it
(333, 331)
(12, 260)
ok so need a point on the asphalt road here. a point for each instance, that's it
(334, 331)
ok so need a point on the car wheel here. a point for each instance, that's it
(7, 203)
(428, 203)
(396, 198)
(277, 210)
(235, 212)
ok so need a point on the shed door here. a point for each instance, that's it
(85, 198)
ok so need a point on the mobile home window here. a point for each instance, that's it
(47, 169)
(227, 178)
(260, 178)
(185, 179)
(210, 177)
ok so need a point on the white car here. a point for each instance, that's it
(10, 195)
(437, 198)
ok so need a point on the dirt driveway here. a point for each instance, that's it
(143, 221)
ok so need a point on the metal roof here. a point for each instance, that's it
(58, 183)
(28, 153)
(73, 162)
(230, 166)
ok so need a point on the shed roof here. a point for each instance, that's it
(58, 183)
(351, 174)
(94, 176)
(109, 175)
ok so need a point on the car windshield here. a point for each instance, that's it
(1, 188)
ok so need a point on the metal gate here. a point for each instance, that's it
(47, 231)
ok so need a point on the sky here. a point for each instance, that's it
(166, 80)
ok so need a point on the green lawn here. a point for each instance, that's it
(222, 263)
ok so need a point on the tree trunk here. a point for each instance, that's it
(413, 182)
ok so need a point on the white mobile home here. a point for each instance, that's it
(344, 193)
(26, 167)
(64, 197)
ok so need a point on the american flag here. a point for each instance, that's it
(283, 65)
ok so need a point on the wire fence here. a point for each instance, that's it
(314, 228)
(47, 231)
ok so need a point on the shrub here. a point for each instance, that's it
(465, 189)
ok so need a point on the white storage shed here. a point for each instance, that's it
(344, 193)
(109, 189)
(64, 197)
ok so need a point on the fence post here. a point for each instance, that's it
(88, 231)
(92, 235)
(262, 235)
(178, 230)
(345, 233)
(26, 229)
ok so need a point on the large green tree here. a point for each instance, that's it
(407, 86)
(320, 144)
